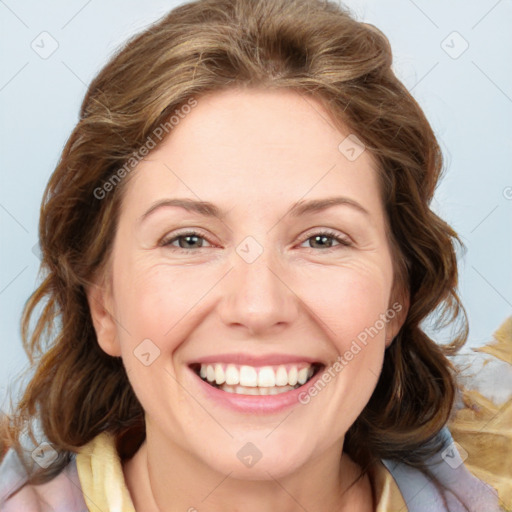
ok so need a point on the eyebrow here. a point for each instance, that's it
(298, 209)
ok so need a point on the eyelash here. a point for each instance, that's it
(345, 242)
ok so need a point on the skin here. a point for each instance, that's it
(253, 153)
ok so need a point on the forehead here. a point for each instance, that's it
(256, 147)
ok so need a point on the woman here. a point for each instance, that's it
(279, 364)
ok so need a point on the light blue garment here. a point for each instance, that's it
(13, 478)
(463, 491)
(419, 493)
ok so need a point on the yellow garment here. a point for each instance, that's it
(101, 476)
(387, 494)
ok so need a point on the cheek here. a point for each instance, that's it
(151, 305)
(347, 300)
(158, 301)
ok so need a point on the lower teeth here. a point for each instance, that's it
(244, 390)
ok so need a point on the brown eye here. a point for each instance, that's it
(188, 240)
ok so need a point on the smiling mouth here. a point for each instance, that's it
(249, 380)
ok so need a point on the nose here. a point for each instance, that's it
(257, 297)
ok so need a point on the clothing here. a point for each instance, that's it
(93, 481)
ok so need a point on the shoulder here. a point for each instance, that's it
(61, 494)
(462, 490)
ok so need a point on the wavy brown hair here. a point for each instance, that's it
(319, 50)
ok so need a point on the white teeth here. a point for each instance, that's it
(220, 377)
(248, 376)
(266, 377)
(303, 376)
(243, 390)
(210, 373)
(232, 375)
(281, 376)
(293, 376)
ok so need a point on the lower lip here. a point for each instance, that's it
(259, 404)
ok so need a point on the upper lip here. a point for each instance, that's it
(253, 359)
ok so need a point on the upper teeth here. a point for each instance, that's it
(266, 376)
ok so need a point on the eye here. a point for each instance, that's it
(324, 238)
(193, 240)
(187, 240)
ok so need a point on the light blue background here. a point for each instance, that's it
(468, 101)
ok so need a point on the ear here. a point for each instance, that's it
(397, 313)
(100, 300)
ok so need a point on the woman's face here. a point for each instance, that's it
(272, 285)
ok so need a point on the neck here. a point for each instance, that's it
(187, 484)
